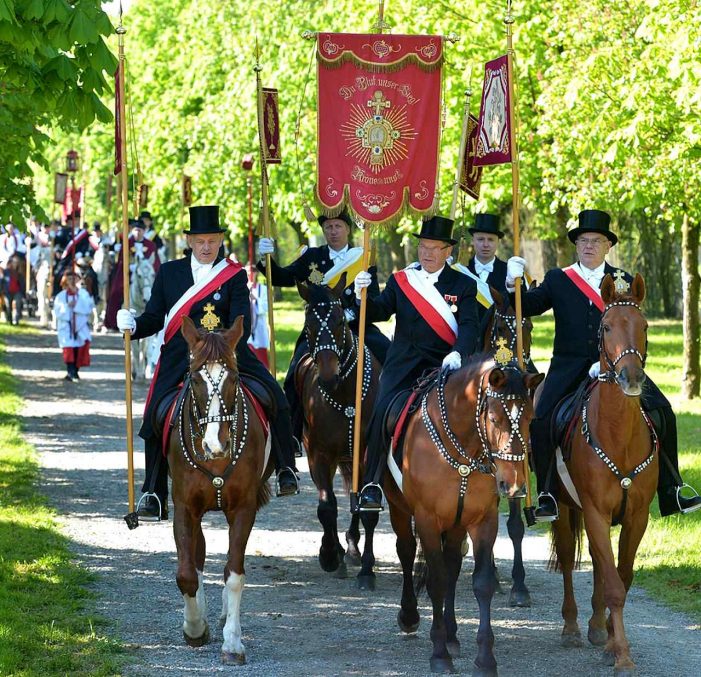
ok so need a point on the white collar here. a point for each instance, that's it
(430, 277)
(597, 272)
(333, 254)
(485, 266)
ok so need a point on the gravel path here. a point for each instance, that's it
(296, 619)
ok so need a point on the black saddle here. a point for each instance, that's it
(263, 393)
(160, 411)
(566, 414)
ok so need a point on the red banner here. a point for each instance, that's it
(379, 113)
(494, 126)
(117, 123)
(471, 176)
(271, 127)
(72, 203)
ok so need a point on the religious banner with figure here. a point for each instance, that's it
(379, 124)
(471, 176)
(493, 145)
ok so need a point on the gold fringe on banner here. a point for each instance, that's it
(373, 67)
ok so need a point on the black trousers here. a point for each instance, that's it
(542, 458)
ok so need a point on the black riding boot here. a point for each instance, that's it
(670, 481)
(542, 458)
(371, 494)
(284, 453)
(155, 482)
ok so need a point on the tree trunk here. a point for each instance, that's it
(691, 377)
(397, 250)
(564, 246)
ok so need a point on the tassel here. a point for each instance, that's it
(308, 213)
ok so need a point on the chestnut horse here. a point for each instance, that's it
(219, 460)
(500, 323)
(613, 468)
(466, 442)
(326, 382)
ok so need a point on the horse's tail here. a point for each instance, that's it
(577, 528)
(264, 493)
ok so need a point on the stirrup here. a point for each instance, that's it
(278, 493)
(686, 511)
(362, 508)
(149, 518)
(549, 518)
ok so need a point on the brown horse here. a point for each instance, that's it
(218, 461)
(613, 467)
(326, 382)
(500, 323)
(467, 439)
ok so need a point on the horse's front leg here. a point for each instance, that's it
(187, 530)
(452, 556)
(352, 541)
(366, 576)
(240, 522)
(408, 616)
(564, 532)
(331, 551)
(519, 592)
(483, 536)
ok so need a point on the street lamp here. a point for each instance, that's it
(247, 166)
(72, 161)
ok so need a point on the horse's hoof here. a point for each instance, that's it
(571, 640)
(598, 636)
(198, 641)
(609, 658)
(352, 558)
(477, 671)
(443, 666)
(366, 582)
(453, 648)
(328, 562)
(230, 658)
(342, 571)
(520, 598)
(409, 627)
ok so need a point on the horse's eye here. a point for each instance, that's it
(607, 328)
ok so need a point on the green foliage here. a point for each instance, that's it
(53, 61)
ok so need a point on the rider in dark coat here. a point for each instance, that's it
(225, 302)
(73, 241)
(576, 354)
(310, 267)
(417, 346)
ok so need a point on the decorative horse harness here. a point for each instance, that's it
(346, 363)
(240, 409)
(510, 322)
(484, 462)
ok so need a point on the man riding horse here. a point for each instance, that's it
(213, 292)
(436, 326)
(574, 295)
(324, 265)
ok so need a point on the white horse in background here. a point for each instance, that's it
(140, 285)
(42, 266)
(102, 265)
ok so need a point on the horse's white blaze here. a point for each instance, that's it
(211, 434)
(514, 412)
(232, 601)
(194, 624)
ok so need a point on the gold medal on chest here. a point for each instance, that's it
(210, 321)
(315, 275)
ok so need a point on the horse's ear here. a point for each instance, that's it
(189, 331)
(608, 289)
(303, 290)
(234, 333)
(497, 378)
(638, 289)
(498, 298)
(337, 291)
(532, 381)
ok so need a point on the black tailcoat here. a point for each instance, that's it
(172, 281)
(576, 345)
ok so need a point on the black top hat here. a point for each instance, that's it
(145, 215)
(486, 223)
(136, 223)
(593, 221)
(437, 228)
(204, 221)
(344, 216)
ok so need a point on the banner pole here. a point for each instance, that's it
(124, 185)
(463, 141)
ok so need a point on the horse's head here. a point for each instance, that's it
(503, 326)
(623, 336)
(504, 415)
(214, 383)
(142, 280)
(325, 324)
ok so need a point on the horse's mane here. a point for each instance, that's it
(213, 348)
(476, 366)
(319, 293)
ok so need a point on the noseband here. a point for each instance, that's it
(610, 374)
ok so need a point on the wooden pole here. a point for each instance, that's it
(463, 141)
(266, 214)
(124, 185)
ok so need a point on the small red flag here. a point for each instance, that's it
(117, 122)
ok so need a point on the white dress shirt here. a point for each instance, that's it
(484, 269)
(340, 254)
(594, 276)
(199, 270)
(431, 278)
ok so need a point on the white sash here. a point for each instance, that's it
(433, 296)
(482, 287)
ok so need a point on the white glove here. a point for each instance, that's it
(125, 320)
(350, 314)
(362, 281)
(595, 370)
(266, 245)
(452, 361)
(515, 267)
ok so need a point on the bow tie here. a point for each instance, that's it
(333, 255)
(481, 267)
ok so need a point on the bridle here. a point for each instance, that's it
(200, 417)
(610, 374)
(510, 322)
(329, 342)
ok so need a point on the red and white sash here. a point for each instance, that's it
(221, 273)
(429, 303)
(80, 236)
(575, 275)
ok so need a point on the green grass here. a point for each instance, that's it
(44, 625)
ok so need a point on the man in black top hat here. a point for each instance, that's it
(217, 288)
(146, 218)
(569, 292)
(321, 265)
(436, 326)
